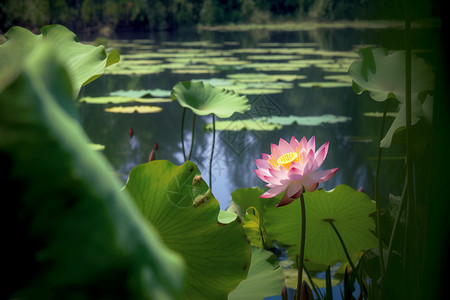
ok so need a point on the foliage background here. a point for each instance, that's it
(114, 15)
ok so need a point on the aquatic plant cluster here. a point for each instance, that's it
(81, 235)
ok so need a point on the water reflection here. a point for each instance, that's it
(353, 144)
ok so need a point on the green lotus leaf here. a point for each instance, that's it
(263, 280)
(179, 204)
(204, 99)
(347, 208)
(84, 63)
(250, 208)
(74, 232)
(382, 74)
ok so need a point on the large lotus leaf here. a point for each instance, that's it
(84, 63)
(263, 280)
(204, 99)
(382, 74)
(71, 233)
(347, 208)
(177, 201)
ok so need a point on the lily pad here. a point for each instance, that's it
(179, 204)
(156, 93)
(204, 99)
(243, 124)
(143, 109)
(325, 84)
(84, 63)
(120, 99)
(382, 74)
(263, 77)
(306, 120)
(348, 209)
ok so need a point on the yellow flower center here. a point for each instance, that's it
(286, 159)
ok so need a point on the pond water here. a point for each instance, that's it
(284, 75)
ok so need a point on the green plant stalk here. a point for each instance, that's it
(212, 150)
(410, 236)
(182, 132)
(377, 196)
(396, 222)
(314, 286)
(192, 140)
(342, 244)
(302, 247)
(329, 288)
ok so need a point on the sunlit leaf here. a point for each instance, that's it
(204, 99)
(179, 204)
(84, 63)
(263, 280)
(347, 208)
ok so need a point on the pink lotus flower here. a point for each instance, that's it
(291, 167)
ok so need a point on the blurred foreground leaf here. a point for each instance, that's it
(72, 233)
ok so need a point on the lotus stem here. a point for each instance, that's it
(410, 236)
(342, 244)
(377, 196)
(192, 139)
(396, 222)
(314, 286)
(302, 247)
(212, 150)
(182, 132)
(328, 288)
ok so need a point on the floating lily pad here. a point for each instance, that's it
(156, 93)
(307, 120)
(273, 57)
(204, 99)
(120, 99)
(179, 204)
(325, 84)
(348, 209)
(263, 77)
(244, 124)
(133, 109)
